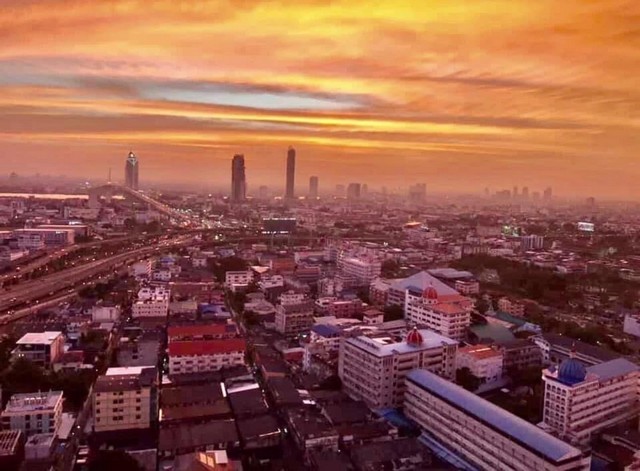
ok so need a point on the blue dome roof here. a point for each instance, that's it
(571, 371)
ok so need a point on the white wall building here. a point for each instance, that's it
(483, 361)
(40, 348)
(141, 269)
(472, 433)
(195, 356)
(238, 278)
(449, 315)
(152, 302)
(34, 413)
(105, 313)
(362, 270)
(580, 401)
(373, 369)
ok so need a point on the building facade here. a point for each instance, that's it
(313, 187)
(483, 361)
(475, 434)
(131, 172)
(34, 413)
(41, 348)
(238, 179)
(291, 173)
(292, 319)
(580, 401)
(373, 369)
(152, 302)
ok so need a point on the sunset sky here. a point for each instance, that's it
(461, 94)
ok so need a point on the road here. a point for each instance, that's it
(49, 285)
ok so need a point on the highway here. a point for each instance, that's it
(49, 285)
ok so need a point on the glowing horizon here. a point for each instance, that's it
(459, 95)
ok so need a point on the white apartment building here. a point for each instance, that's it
(34, 413)
(153, 301)
(373, 369)
(163, 274)
(483, 361)
(449, 315)
(291, 297)
(514, 308)
(580, 401)
(472, 433)
(361, 270)
(105, 313)
(196, 356)
(237, 278)
(141, 269)
(40, 348)
(125, 398)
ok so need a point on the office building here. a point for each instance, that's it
(354, 191)
(581, 401)
(238, 179)
(131, 171)
(34, 413)
(449, 315)
(29, 238)
(40, 348)
(125, 398)
(373, 369)
(291, 173)
(313, 187)
(471, 433)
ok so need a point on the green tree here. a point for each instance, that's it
(466, 379)
(393, 313)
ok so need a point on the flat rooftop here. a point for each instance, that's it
(39, 338)
(389, 345)
(29, 402)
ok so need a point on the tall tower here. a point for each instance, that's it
(313, 187)
(131, 168)
(238, 179)
(291, 173)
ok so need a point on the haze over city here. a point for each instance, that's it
(461, 95)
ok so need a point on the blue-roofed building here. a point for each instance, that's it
(463, 428)
(580, 402)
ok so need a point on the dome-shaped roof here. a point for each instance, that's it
(571, 371)
(430, 293)
(414, 337)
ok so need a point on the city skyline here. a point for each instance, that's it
(461, 96)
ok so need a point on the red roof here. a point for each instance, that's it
(201, 330)
(206, 347)
(415, 337)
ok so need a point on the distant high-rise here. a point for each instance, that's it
(340, 190)
(525, 192)
(263, 192)
(515, 192)
(418, 193)
(291, 173)
(548, 193)
(238, 179)
(353, 191)
(131, 169)
(313, 187)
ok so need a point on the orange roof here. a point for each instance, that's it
(206, 347)
(480, 352)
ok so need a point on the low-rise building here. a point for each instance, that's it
(294, 319)
(40, 348)
(105, 312)
(472, 433)
(515, 308)
(467, 287)
(519, 354)
(125, 398)
(153, 301)
(483, 361)
(235, 280)
(373, 369)
(581, 401)
(34, 413)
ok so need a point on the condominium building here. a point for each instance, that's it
(125, 398)
(483, 361)
(238, 278)
(449, 315)
(196, 356)
(360, 270)
(373, 369)
(292, 319)
(153, 301)
(471, 433)
(581, 401)
(34, 413)
(40, 348)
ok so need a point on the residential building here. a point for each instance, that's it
(581, 401)
(520, 354)
(467, 287)
(238, 279)
(331, 306)
(195, 356)
(125, 398)
(292, 319)
(472, 433)
(34, 413)
(555, 348)
(105, 312)
(396, 292)
(449, 315)
(153, 301)
(515, 308)
(361, 270)
(378, 291)
(531, 242)
(483, 361)
(141, 269)
(238, 179)
(373, 369)
(40, 348)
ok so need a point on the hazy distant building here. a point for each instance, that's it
(340, 190)
(263, 192)
(291, 173)
(313, 187)
(131, 171)
(364, 190)
(515, 192)
(238, 179)
(353, 191)
(525, 193)
(418, 193)
(548, 193)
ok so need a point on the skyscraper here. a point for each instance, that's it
(131, 168)
(291, 173)
(313, 187)
(525, 193)
(238, 179)
(353, 191)
(548, 192)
